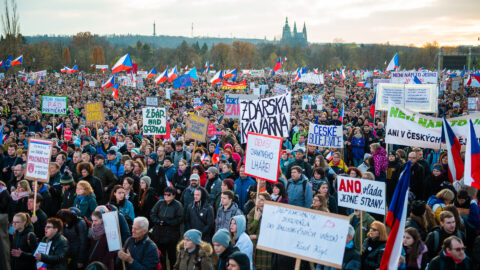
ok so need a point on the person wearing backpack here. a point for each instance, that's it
(447, 228)
(299, 189)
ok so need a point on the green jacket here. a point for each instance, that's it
(297, 135)
(367, 221)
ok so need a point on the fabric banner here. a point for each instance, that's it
(312, 102)
(325, 136)
(312, 78)
(269, 116)
(406, 77)
(361, 194)
(405, 127)
(232, 104)
(416, 97)
(231, 86)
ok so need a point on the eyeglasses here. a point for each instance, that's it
(48, 227)
(459, 249)
(167, 194)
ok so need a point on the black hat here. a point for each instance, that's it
(111, 152)
(168, 158)
(241, 259)
(418, 208)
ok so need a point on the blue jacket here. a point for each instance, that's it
(87, 205)
(297, 195)
(127, 210)
(170, 173)
(241, 189)
(117, 168)
(358, 147)
(144, 254)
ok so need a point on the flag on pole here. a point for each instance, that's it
(216, 155)
(471, 176)
(115, 91)
(341, 113)
(173, 74)
(124, 63)
(372, 106)
(108, 83)
(162, 77)
(455, 163)
(396, 218)
(152, 73)
(218, 77)
(393, 63)
(277, 66)
(17, 61)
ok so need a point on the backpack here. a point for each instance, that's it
(436, 237)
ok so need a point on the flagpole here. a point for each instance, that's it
(361, 231)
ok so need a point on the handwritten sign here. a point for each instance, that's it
(340, 93)
(269, 116)
(94, 112)
(262, 157)
(361, 194)
(151, 101)
(232, 104)
(112, 231)
(416, 97)
(197, 128)
(313, 102)
(56, 105)
(38, 160)
(302, 233)
(154, 121)
(406, 77)
(325, 136)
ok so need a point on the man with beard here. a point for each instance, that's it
(187, 195)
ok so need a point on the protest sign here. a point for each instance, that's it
(256, 91)
(280, 89)
(303, 233)
(455, 85)
(325, 136)
(406, 77)
(263, 90)
(197, 128)
(151, 101)
(262, 156)
(416, 97)
(232, 86)
(154, 121)
(91, 83)
(232, 106)
(56, 105)
(405, 127)
(40, 73)
(312, 102)
(269, 116)
(473, 104)
(104, 67)
(67, 134)
(212, 130)
(312, 78)
(94, 112)
(361, 194)
(112, 231)
(38, 160)
(340, 93)
(197, 103)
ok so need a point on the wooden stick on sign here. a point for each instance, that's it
(35, 197)
(297, 264)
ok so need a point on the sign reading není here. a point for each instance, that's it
(38, 160)
(154, 121)
(94, 112)
(361, 194)
(262, 157)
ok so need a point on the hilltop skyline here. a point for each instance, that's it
(402, 22)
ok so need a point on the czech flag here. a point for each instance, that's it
(59, 127)
(216, 155)
(396, 218)
(372, 106)
(376, 72)
(416, 80)
(92, 66)
(162, 77)
(230, 74)
(152, 73)
(1, 63)
(124, 63)
(362, 84)
(193, 74)
(473, 77)
(455, 163)
(173, 74)
(277, 66)
(72, 70)
(393, 63)
(40, 80)
(64, 70)
(329, 157)
(315, 71)
(297, 77)
(342, 73)
(207, 67)
(342, 113)
(17, 61)
(115, 91)
(108, 83)
(218, 77)
(41, 266)
(471, 176)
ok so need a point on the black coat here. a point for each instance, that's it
(200, 217)
(77, 237)
(167, 219)
(57, 255)
(372, 252)
(223, 258)
(96, 186)
(448, 263)
(149, 202)
(39, 226)
(27, 242)
(418, 184)
(181, 182)
(136, 180)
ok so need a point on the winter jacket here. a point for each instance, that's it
(68, 198)
(182, 181)
(187, 197)
(200, 258)
(127, 210)
(177, 156)
(442, 261)
(355, 222)
(105, 175)
(351, 258)
(225, 215)
(214, 188)
(26, 241)
(422, 257)
(86, 204)
(39, 225)
(77, 237)
(372, 252)
(243, 242)
(223, 258)
(307, 168)
(98, 251)
(299, 193)
(201, 217)
(144, 254)
(166, 219)
(97, 186)
(56, 259)
(241, 189)
(358, 147)
(434, 246)
(116, 167)
(149, 202)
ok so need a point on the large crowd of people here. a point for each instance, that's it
(180, 209)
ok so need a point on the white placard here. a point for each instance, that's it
(325, 136)
(151, 101)
(302, 233)
(262, 156)
(312, 78)
(197, 102)
(154, 121)
(91, 83)
(56, 105)
(112, 231)
(312, 102)
(361, 194)
(256, 91)
(38, 160)
(406, 77)
(416, 97)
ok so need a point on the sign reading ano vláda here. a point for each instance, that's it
(361, 194)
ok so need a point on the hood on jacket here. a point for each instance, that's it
(206, 249)
(241, 224)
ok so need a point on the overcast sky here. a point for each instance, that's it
(362, 21)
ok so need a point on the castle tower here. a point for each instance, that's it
(154, 34)
(304, 32)
(294, 29)
(286, 34)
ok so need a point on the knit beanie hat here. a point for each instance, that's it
(222, 237)
(66, 179)
(194, 235)
(418, 208)
(241, 259)
(147, 180)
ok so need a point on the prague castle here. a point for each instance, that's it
(294, 38)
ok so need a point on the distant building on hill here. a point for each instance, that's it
(294, 38)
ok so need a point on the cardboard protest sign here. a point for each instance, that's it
(406, 77)
(361, 194)
(56, 105)
(270, 116)
(325, 136)
(340, 93)
(405, 127)
(232, 104)
(38, 160)
(473, 104)
(303, 233)
(262, 156)
(312, 102)
(151, 101)
(416, 97)
(112, 231)
(94, 112)
(197, 128)
(154, 121)
(280, 89)
(67, 134)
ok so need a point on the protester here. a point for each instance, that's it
(238, 261)
(75, 231)
(447, 228)
(193, 253)
(415, 250)
(261, 259)
(228, 210)
(223, 248)
(199, 215)
(24, 242)
(56, 258)
(98, 243)
(374, 246)
(118, 199)
(452, 256)
(85, 200)
(239, 237)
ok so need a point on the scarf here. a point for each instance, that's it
(274, 197)
(98, 232)
(457, 261)
(180, 173)
(18, 195)
(81, 198)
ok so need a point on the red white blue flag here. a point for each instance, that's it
(455, 163)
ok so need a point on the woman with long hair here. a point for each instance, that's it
(139, 169)
(130, 194)
(146, 198)
(118, 198)
(279, 194)
(239, 237)
(98, 250)
(319, 203)
(24, 242)
(19, 198)
(331, 199)
(416, 255)
(261, 259)
(373, 246)
(85, 200)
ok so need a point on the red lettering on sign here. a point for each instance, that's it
(351, 186)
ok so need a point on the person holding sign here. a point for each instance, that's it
(55, 257)
(98, 243)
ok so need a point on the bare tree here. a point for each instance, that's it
(10, 19)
